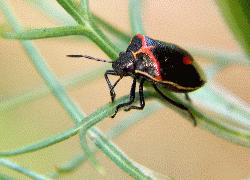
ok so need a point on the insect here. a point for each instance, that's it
(161, 64)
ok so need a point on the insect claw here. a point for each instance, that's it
(127, 109)
(115, 113)
(113, 97)
(193, 118)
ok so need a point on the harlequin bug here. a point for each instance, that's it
(157, 62)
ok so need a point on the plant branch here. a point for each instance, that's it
(105, 111)
(118, 157)
(11, 165)
(72, 80)
(114, 131)
(101, 113)
(103, 44)
(6, 177)
(72, 10)
(47, 75)
(237, 16)
(45, 33)
(84, 7)
(135, 17)
(226, 129)
(220, 56)
(113, 30)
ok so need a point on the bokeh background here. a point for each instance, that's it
(164, 141)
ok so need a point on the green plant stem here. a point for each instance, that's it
(217, 56)
(118, 156)
(44, 71)
(51, 81)
(113, 30)
(84, 7)
(135, 17)
(203, 120)
(92, 31)
(89, 32)
(70, 166)
(63, 18)
(22, 170)
(105, 111)
(220, 56)
(101, 113)
(237, 16)
(236, 112)
(111, 150)
(218, 128)
(53, 12)
(114, 131)
(41, 144)
(55, 86)
(131, 119)
(72, 10)
(225, 105)
(226, 130)
(6, 177)
(102, 43)
(72, 80)
(46, 33)
(213, 69)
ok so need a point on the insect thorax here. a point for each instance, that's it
(144, 64)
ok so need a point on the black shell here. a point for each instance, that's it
(173, 68)
(160, 62)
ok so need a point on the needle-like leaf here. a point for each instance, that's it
(11, 165)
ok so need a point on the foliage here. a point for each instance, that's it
(80, 21)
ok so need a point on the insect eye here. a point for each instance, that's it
(187, 60)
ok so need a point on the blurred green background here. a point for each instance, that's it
(164, 141)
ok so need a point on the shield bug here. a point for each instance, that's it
(161, 64)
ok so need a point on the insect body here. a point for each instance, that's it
(162, 64)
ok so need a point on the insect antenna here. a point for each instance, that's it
(88, 57)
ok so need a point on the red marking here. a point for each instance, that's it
(147, 50)
(186, 60)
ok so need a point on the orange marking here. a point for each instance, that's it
(147, 50)
(186, 60)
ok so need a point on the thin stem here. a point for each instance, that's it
(101, 113)
(100, 42)
(42, 68)
(135, 17)
(237, 16)
(113, 152)
(6, 177)
(22, 170)
(88, 153)
(112, 29)
(41, 144)
(114, 132)
(58, 90)
(45, 33)
(72, 80)
(72, 10)
(84, 6)
(220, 56)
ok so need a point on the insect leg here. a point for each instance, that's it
(111, 87)
(142, 102)
(131, 98)
(181, 106)
(187, 97)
